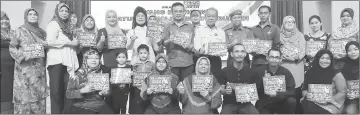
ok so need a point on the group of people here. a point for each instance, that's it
(25, 86)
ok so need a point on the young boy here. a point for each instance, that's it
(137, 104)
(119, 92)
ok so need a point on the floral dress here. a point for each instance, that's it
(30, 89)
(308, 60)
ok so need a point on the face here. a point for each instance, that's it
(178, 12)
(161, 64)
(289, 24)
(264, 14)
(346, 18)
(238, 53)
(64, 13)
(5, 22)
(236, 20)
(143, 54)
(152, 20)
(211, 17)
(315, 24)
(195, 17)
(324, 61)
(353, 52)
(111, 18)
(89, 23)
(121, 58)
(274, 58)
(203, 66)
(73, 19)
(32, 17)
(93, 61)
(140, 18)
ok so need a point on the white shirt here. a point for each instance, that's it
(205, 35)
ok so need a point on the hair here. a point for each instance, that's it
(237, 44)
(264, 6)
(192, 11)
(356, 44)
(212, 8)
(177, 4)
(122, 52)
(152, 16)
(143, 46)
(275, 49)
(317, 17)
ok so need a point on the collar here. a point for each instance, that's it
(268, 23)
(268, 69)
(236, 29)
(215, 27)
(232, 67)
(183, 23)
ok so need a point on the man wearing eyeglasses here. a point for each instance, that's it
(275, 101)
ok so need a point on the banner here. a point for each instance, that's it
(274, 84)
(138, 77)
(160, 83)
(35, 50)
(121, 75)
(353, 88)
(321, 92)
(181, 38)
(290, 50)
(218, 48)
(312, 47)
(100, 81)
(337, 47)
(87, 39)
(116, 41)
(202, 82)
(246, 93)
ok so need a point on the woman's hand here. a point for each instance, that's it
(149, 91)
(170, 91)
(87, 89)
(122, 85)
(228, 90)
(104, 92)
(133, 38)
(204, 93)
(181, 88)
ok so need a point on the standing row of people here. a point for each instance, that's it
(69, 92)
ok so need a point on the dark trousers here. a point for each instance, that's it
(118, 99)
(136, 104)
(169, 109)
(244, 108)
(77, 110)
(280, 106)
(183, 72)
(298, 93)
(351, 106)
(59, 77)
(311, 108)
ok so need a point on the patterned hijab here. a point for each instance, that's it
(6, 33)
(109, 28)
(33, 27)
(64, 24)
(346, 31)
(83, 27)
(85, 69)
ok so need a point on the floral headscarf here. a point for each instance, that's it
(33, 27)
(63, 23)
(6, 33)
(83, 27)
(85, 69)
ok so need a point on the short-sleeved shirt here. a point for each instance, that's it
(240, 33)
(178, 56)
(205, 35)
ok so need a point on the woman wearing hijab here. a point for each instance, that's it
(161, 102)
(323, 72)
(7, 65)
(61, 60)
(316, 34)
(290, 35)
(351, 72)
(30, 88)
(73, 22)
(137, 35)
(204, 102)
(85, 99)
(347, 31)
(88, 27)
(111, 28)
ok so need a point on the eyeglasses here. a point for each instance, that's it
(289, 22)
(275, 58)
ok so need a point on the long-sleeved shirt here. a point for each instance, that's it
(205, 35)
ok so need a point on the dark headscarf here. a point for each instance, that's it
(63, 23)
(167, 69)
(317, 74)
(138, 10)
(83, 27)
(351, 67)
(33, 27)
(349, 10)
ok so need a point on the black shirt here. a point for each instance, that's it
(233, 75)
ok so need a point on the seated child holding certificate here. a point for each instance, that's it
(88, 96)
(143, 64)
(205, 99)
(120, 80)
(161, 102)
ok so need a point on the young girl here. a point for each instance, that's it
(204, 102)
(86, 100)
(118, 98)
(161, 103)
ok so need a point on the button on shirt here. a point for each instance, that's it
(205, 35)
(241, 33)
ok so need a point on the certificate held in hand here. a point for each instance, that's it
(337, 47)
(116, 41)
(217, 49)
(121, 76)
(353, 88)
(202, 82)
(250, 45)
(35, 50)
(274, 84)
(87, 39)
(181, 38)
(312, 47)
(138, 77)
(321, 92)
(100, 81)
(263, 46)
(246, 93)
(290, 50)
(160, 83)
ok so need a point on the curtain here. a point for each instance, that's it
(280, 9)
(79, 7)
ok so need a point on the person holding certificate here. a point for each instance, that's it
(164, 101)
(27, 48)
(200, 92)
(85, 98)
(323, 73)
(86, 35)
(276, 86)
(351, 74)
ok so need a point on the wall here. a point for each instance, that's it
(16, 15)
(320, 8)
(46, 10)
(338, 6)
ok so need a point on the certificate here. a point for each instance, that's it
(87, 39)
(274, 84)
(100, 81)
(250, 45)
(337, 47)
(138, 77)
(312, 47)
(35, 50)
(121, 75)
(156, 31)
(263, 46)
(181, 38)
(246, 93)
(218, 48)
(321, 92)
(160, 83)
(116, 41)
(353, 88)
(290, 50)
(202, 82)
